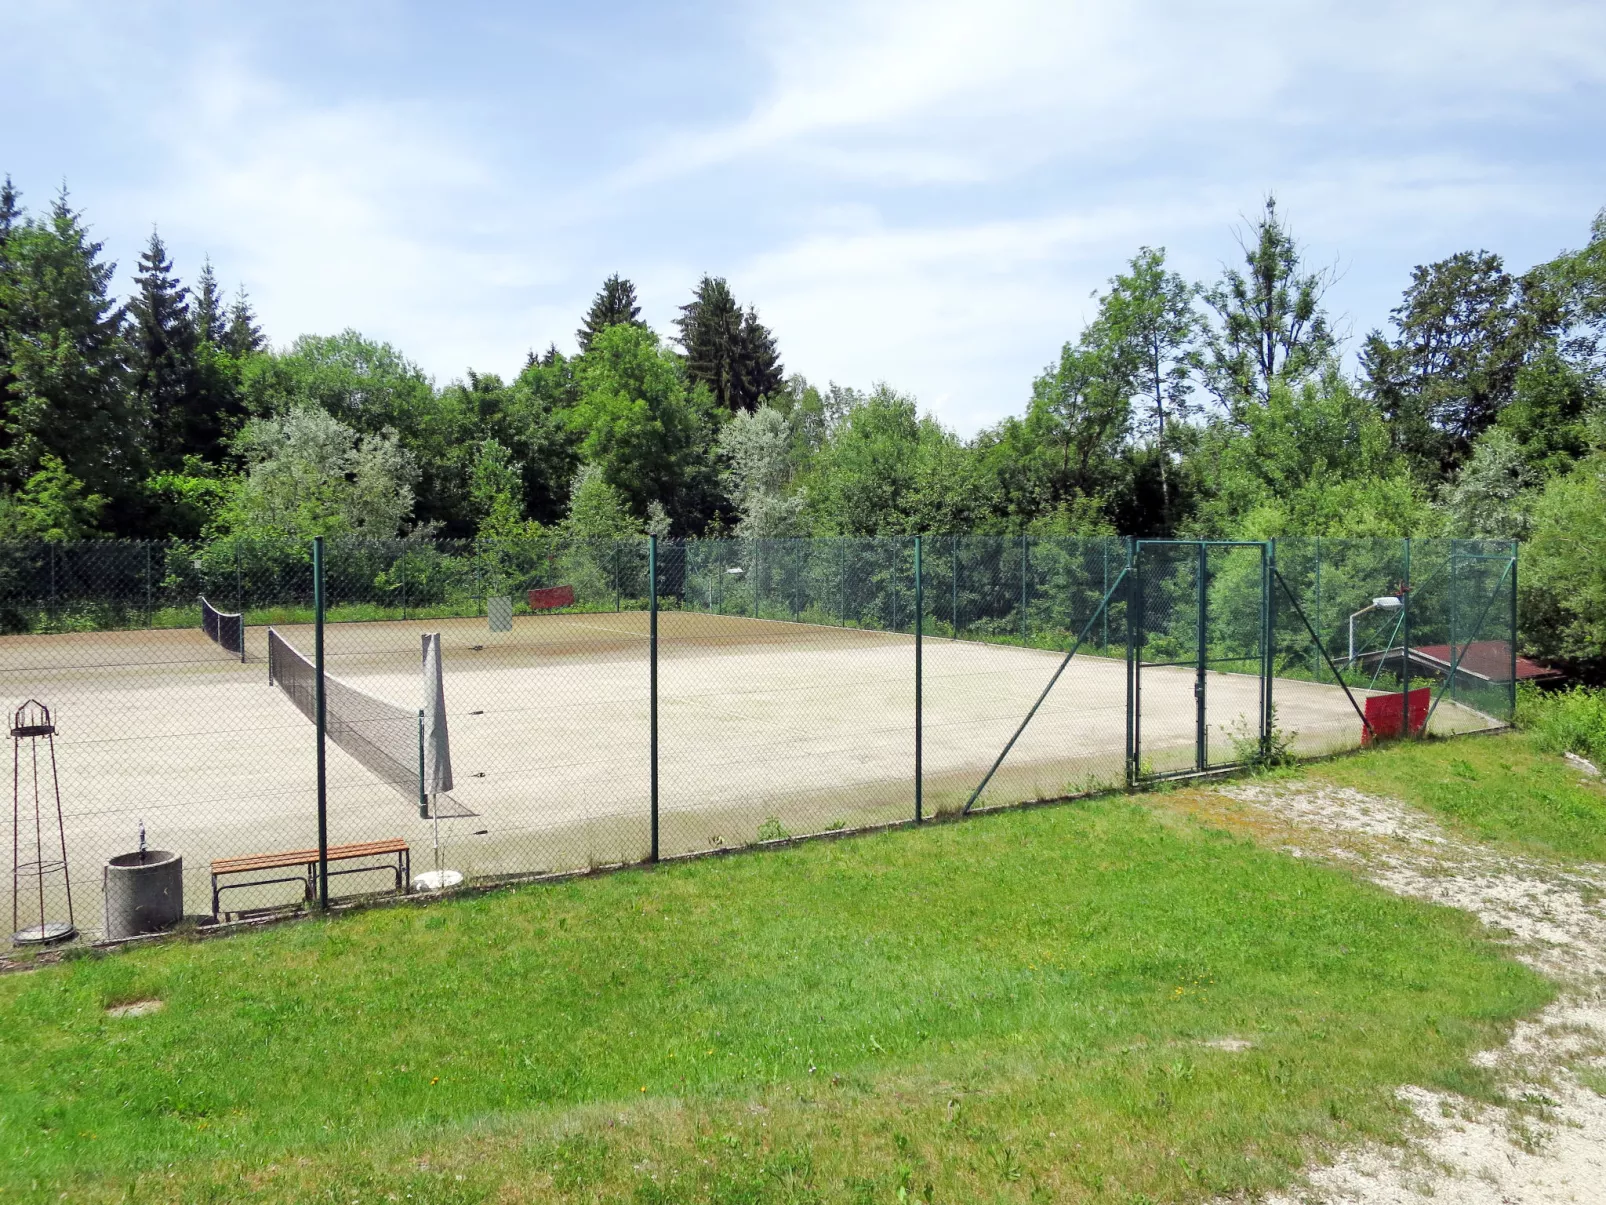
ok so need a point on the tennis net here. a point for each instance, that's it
(226, 629)
(382, 737)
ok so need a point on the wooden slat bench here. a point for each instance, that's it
(308, 860)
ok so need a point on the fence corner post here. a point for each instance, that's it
(320, 708)
(652, 677)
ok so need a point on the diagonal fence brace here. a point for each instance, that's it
(1455, 663)
(1080, 640)
(1322, 649)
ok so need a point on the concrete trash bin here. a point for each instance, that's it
(144, 893)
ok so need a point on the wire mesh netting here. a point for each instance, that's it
(751, 689)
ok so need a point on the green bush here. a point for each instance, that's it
(1566, 721)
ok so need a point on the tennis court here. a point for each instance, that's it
(793, 694)
(766, 727)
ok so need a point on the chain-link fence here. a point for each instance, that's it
(613, 701)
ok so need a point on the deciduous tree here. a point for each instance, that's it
(1270, 324)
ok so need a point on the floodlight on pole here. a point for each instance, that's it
(1389, 602)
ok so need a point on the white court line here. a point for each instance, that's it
(597, 627)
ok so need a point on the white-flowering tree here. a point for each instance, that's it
(308, 474)
(756, 449)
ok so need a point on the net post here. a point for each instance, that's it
(920, 610)
(652, 679)
(423, 788)
(320, 707)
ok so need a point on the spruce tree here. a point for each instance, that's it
(165, 374)
(763, 359)
(243, 336)
(727, 349)
(614, 304)
(209, 306)
(64, 337)
(711, 334)
(10, 214)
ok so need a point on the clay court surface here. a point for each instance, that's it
(765, 727)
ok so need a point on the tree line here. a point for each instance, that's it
(1217, 409)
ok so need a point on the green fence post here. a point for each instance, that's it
(1023, 588)
(1449, 684)
(1405, 648)
(1105, 643)
(954, 585)
(1134, 601)
(919, 627)
(403, 567)
(149, 620)
(320, 711)
(239, 587)
(652, 679)
(1268, 631)
(1511, 639)
(1201, 636)
(1317, 651)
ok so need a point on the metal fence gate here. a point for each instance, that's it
(1199, 653)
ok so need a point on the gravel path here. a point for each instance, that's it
(1549, 1143)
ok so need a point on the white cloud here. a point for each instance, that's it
(922, 192)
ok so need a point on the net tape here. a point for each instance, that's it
(380, 736)
(226, 629)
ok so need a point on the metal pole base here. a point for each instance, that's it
(46, 934)
(438, 880)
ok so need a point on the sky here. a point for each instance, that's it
(926, 194)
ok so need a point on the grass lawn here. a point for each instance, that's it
(1497, 788)
(1026, 1006)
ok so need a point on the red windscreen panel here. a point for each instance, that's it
(549, 598)
(1383, 714)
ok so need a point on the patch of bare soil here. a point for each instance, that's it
(1547, 1144)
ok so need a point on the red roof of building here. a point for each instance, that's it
(1487, 659)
